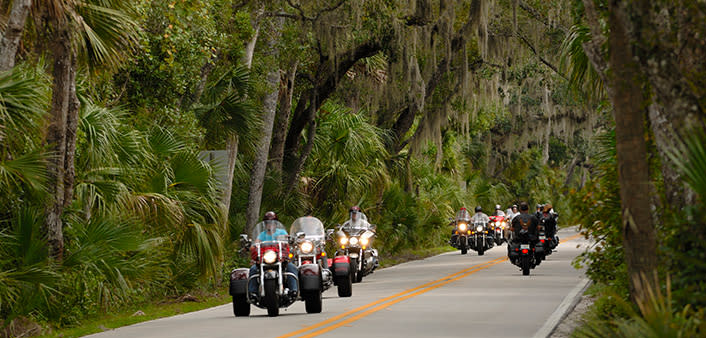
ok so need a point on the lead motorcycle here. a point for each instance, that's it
(461, 231)
(481, 239)
(310, 249)
(355, 241)
(271, 259)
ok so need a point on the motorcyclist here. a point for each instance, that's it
(271, 233)
(548, 220)
(498, 211)
(480, 216)
(358, 220)
(524, 221)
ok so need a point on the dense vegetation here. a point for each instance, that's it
(408, 108)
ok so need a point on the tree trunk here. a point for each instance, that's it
(629, 111)
(13, 33)
(284, 110)
(56, 138)
(232, 148)
(257, 178)
(71, 128)
(294, 176)
(327, 79)
(232, 143)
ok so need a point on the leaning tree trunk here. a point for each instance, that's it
(13, 33)
(257, 178)
(629, 111)
(232, 143)
(56, 138)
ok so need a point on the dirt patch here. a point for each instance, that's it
(573, 319)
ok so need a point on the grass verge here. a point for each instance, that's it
(127, 316)
(412, 255)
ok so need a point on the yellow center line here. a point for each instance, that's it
(395, 301)
(335, 318)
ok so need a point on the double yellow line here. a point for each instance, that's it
(365, 310)
(321, 328)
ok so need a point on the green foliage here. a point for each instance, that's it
(657, 317)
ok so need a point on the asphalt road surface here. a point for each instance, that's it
(450, 295)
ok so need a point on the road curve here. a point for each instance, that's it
(450, 295)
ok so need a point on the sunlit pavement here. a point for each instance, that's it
(450, 295)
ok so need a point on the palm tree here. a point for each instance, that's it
(96, 32)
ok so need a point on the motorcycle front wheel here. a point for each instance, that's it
(345, 285)
(271, 299)
(464, 250)
(481, 251)
(241, 307)
(312, 301)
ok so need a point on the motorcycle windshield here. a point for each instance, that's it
(463, 216)
(359, 225)
(268, 231)
(310, 226)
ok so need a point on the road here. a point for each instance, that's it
(450, 295)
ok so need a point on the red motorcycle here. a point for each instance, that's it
(499, 225)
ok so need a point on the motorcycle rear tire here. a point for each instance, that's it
(525, 264)
(312, 301)
(271, 299)
(241, 307)
(345, 285)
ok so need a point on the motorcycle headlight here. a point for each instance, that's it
(462, 226)
(343, 240)
(479, 228)
(306, 247)
(353, 240)
(269, 257)
(364, 241)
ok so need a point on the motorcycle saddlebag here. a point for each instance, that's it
(341, 266)
(539, 250)
(512, 252)
(309, 277)
(239, 281)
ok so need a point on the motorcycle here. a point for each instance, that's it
(499, 225)
(461, 232)
(310, 249)
(522, 252)
(271, 259)
(481, 238)
(355, 242)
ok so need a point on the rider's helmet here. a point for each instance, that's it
(270, 220)
(497, 207)
(539, 207)
(479, 209)
(354, 212)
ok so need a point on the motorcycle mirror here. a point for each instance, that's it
(300, 235)
(373, 226)
(329, 232)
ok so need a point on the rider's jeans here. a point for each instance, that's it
(291, 282)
